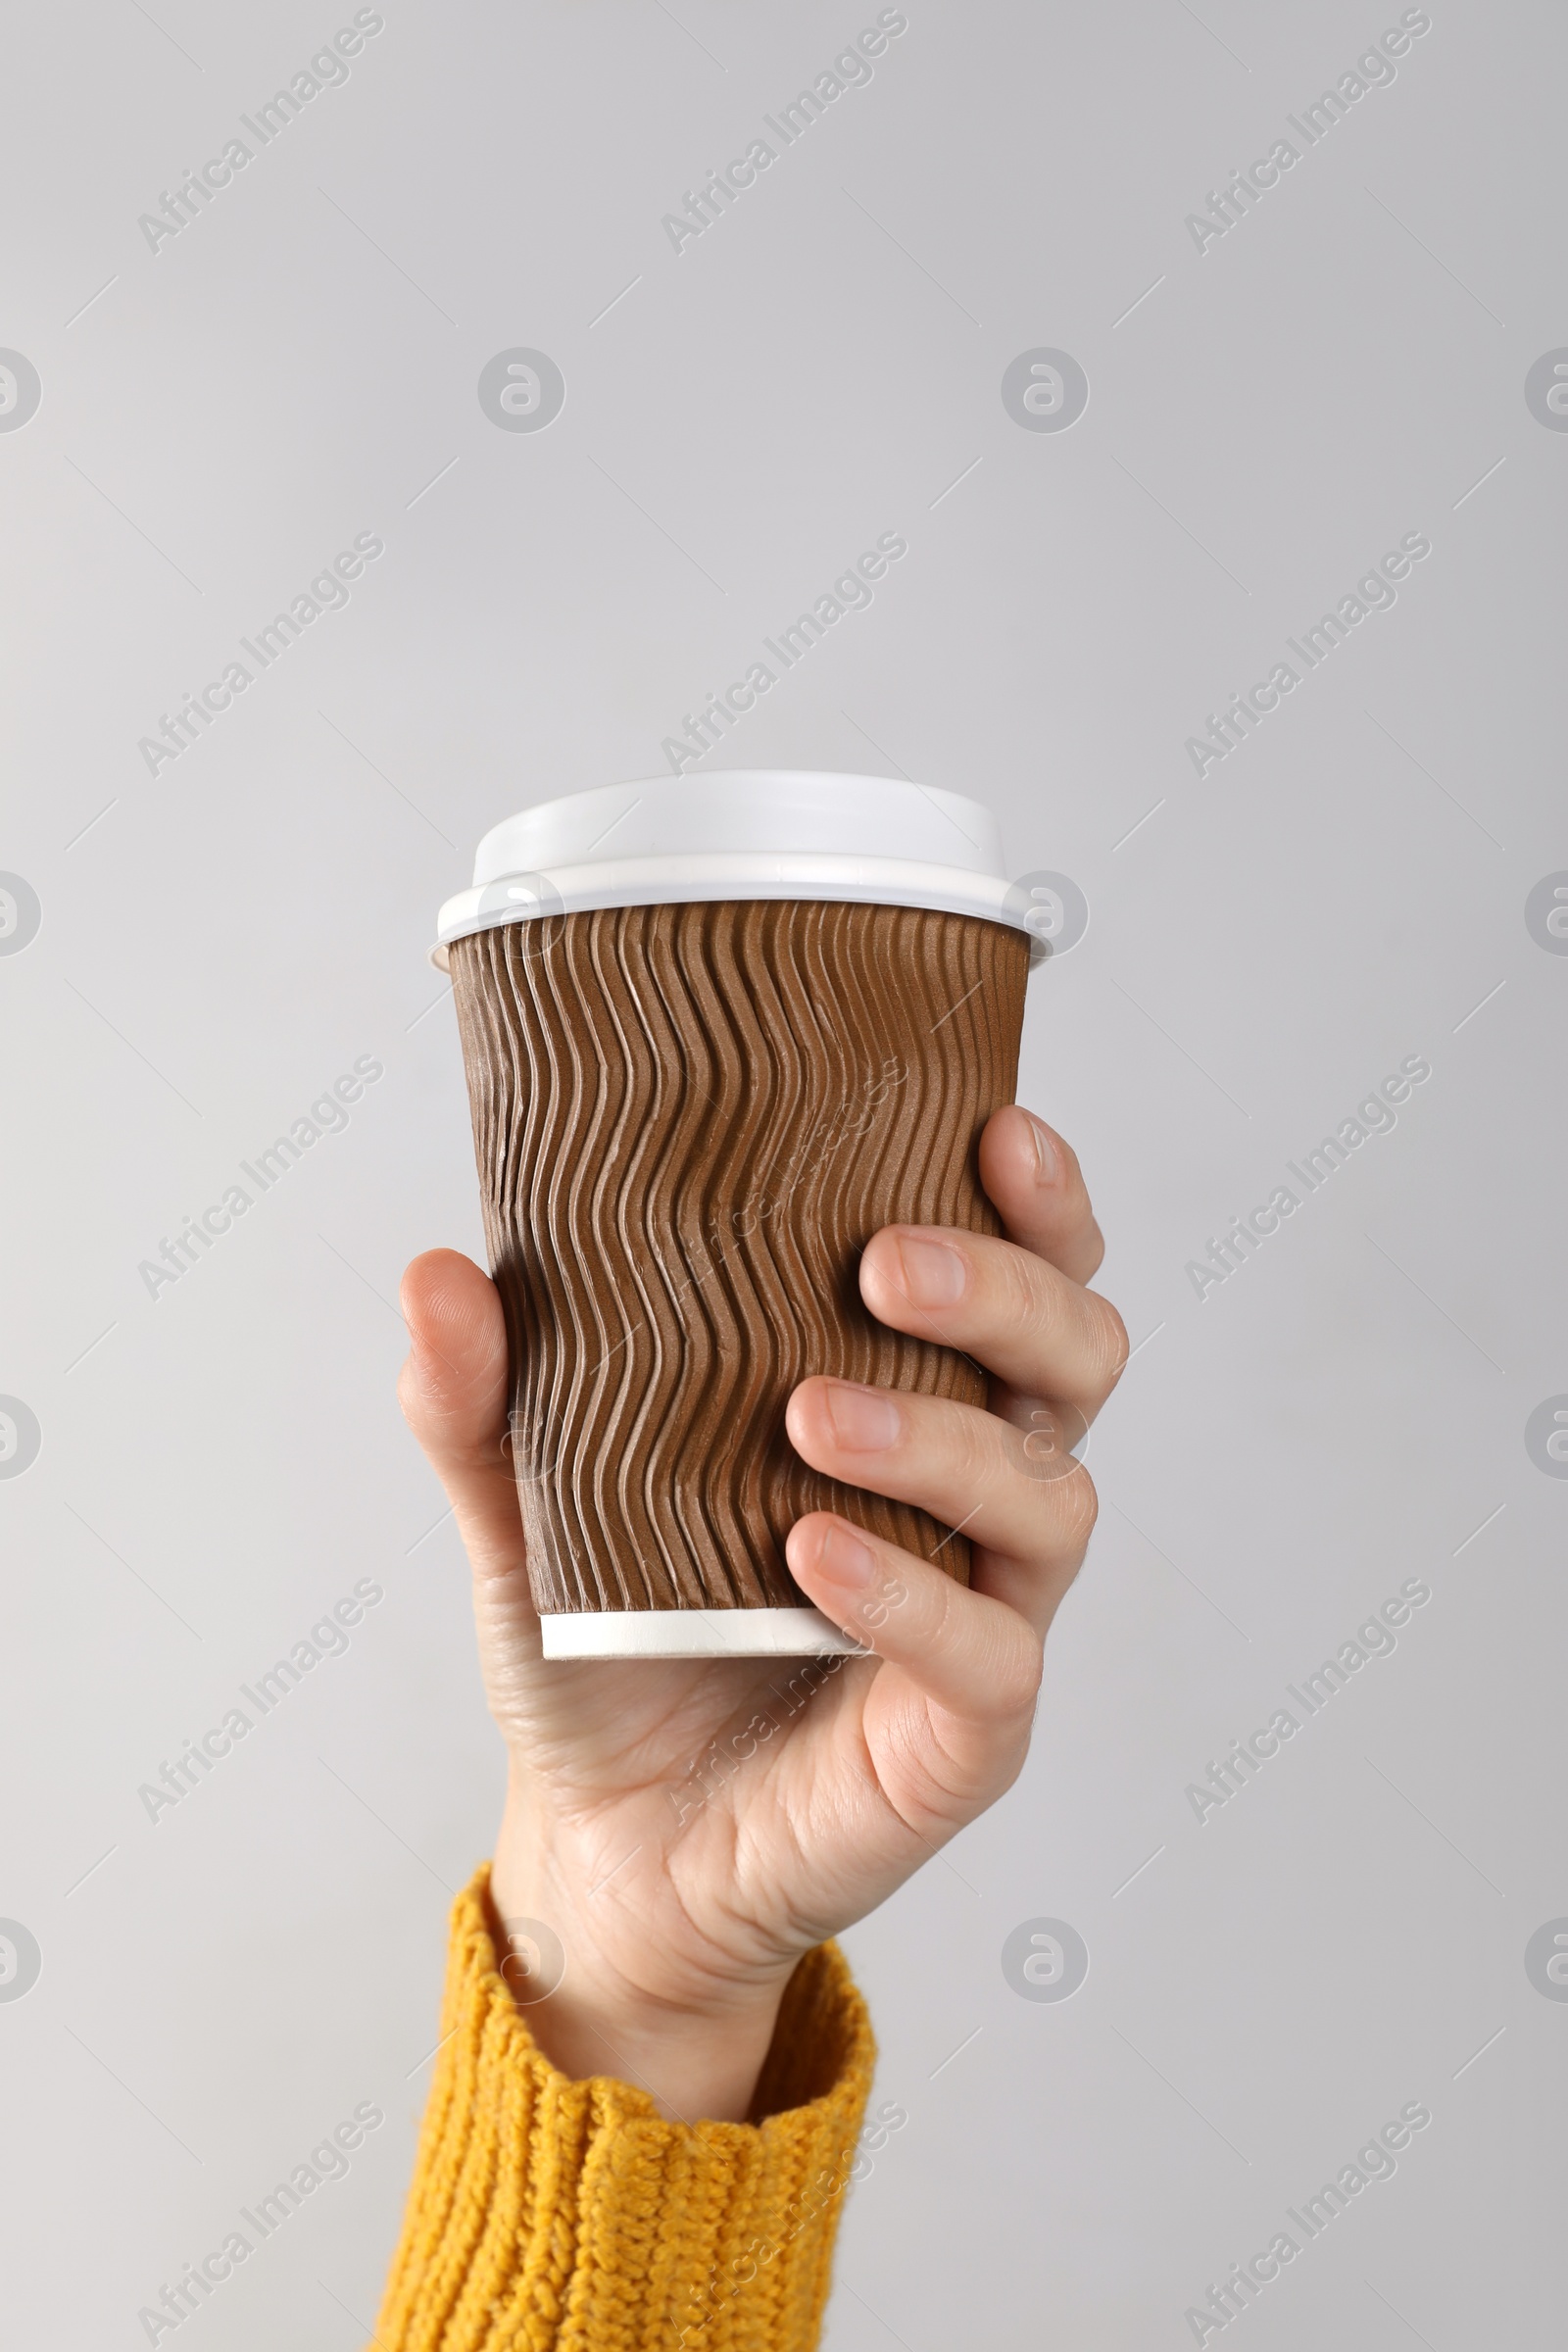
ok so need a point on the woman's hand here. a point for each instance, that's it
(688, 1829)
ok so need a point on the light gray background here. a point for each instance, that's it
(219, 942)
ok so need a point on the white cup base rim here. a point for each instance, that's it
(695, 1633)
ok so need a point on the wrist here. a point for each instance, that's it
(696, 2065)
(694, 2037)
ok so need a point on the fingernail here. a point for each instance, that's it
(863, 1422)
(934, 1275)
(845, 1558)
(1047, 1161)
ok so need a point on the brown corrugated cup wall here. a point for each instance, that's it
(689, 1120)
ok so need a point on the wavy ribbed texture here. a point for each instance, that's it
(551, 2215)
(689, 1121)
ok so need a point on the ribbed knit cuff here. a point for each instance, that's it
(548, 2214)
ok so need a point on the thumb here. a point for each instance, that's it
(452, 1391)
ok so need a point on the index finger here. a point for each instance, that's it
(1033, 1179)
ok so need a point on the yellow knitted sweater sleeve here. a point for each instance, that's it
(553, 2216)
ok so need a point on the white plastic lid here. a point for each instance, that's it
(746, 833)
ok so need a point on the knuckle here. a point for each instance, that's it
(1044, 1452)
(1111, 1341)
(971, 1450)
(1077, 1508)
(1018, 1283)
(941, 1603)
(1032, 1294)
(1016, 1673)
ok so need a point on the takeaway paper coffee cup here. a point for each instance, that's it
(718, 1030)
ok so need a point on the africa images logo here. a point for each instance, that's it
(521, 390)
(1044, 1960)
(20, 391)
(20, 1961)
